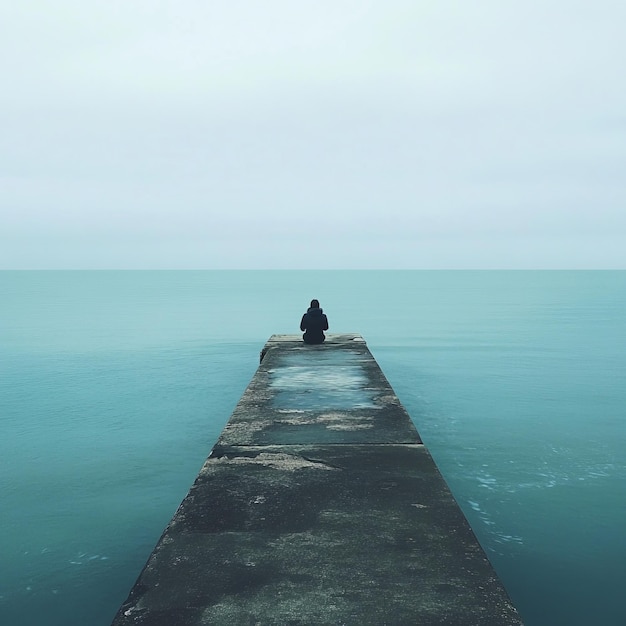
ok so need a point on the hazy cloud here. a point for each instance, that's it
(333, 134)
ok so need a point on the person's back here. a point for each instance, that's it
(314, 323)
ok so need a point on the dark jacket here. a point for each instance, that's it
(313, 323)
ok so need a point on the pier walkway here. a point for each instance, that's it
(319, 504)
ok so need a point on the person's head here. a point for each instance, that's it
(315, 304)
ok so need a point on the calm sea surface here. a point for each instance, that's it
(115, 385)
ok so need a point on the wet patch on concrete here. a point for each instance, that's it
(322, 379)
(332, 393)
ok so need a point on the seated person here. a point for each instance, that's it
(313, 323)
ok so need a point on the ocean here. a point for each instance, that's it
(115, 385)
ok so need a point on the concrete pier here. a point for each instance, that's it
(319, 504)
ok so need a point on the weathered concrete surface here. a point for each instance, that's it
(342, 519)
(331, 393)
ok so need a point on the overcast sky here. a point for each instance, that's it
(327, 134)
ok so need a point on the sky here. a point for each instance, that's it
(343, 134)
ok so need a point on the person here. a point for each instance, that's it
(314, 323)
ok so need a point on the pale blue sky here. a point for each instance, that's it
(343, 134)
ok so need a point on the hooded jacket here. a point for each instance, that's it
(313, 323)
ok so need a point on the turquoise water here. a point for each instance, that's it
(114, 386)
